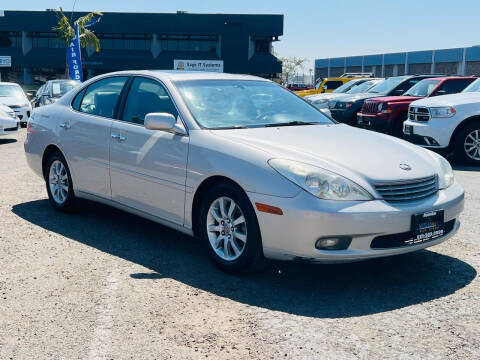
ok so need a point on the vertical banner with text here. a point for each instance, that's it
(74, 57)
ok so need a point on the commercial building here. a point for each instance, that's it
(461, 61)
(235, 43)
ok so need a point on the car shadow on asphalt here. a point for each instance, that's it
(325, 291)
(7, 141)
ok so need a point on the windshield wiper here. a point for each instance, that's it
(291, 123)
(230, 127)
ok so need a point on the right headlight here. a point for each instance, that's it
(442, 112)
(319, 182)
(445, 177)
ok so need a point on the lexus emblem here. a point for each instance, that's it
(405, 167)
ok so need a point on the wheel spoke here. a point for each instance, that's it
(215, 215)
(221, 204)
(235, 248)
(226, 251)
(231, 208)
(216, 228)
(241, 237)
(239, 220)
(218, 240)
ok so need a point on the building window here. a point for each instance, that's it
(125, 41)
(48, 40)
(10, 39)
(202, 43)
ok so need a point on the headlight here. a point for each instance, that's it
(442, 112)
(380, 106)
(445, 177)
(319, 182)
(320, 101)
(348, 104)
(331, 104)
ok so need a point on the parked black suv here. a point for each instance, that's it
(344, 109)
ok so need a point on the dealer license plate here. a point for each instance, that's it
(427, 226)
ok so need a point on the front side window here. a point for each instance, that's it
(453, 86)
(101, 97)
(222, 104)
(147, 96)
(331, 85)
(422, 88)
(387, 85)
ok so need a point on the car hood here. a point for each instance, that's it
(13, 100)
(392, 99)
(450, 100)
(326, 96)
(357, 97)
(360, 155)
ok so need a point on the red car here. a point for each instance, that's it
(387, 114)
(298, 87)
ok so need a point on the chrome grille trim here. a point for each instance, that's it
(418, 113)
(407, 190)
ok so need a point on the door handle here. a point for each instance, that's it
(65, 125)
(118, 137)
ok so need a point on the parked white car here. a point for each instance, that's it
(448, 123)
(244, 164)
(13, 96)
(9, 123)
(355, 86)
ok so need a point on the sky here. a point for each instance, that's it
(323, 28)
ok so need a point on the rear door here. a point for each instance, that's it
(147, 167)
(85, 135)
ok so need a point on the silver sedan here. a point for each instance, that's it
(246, 166)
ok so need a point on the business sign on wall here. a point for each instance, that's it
(5, 61)
(198, 65)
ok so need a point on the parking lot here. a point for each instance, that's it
(102, 283)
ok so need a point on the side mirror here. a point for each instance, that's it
(163, 122)
(440, 92)
(31, 94)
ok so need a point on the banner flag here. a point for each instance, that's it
(74, 57)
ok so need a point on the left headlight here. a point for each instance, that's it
(319, 182)
(442, 112)
(446, 177)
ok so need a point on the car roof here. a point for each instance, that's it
(181, 75)
(452, 78)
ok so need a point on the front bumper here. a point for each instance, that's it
(292, 236)
(9, 126)
(373, 122)
(438, 129)
(23, 114)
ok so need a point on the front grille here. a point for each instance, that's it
(403, 239)
(14, 106)
(370, 107)
(11, 129)
(418, 113)
(407, 190)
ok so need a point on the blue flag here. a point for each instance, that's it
(74, 57)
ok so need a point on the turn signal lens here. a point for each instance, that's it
(269, 209)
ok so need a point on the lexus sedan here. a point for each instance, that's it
(12, 95)
(243, 164)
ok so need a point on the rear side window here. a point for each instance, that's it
(453, 86)
(101, 97)
(147, 96)
(332, 85)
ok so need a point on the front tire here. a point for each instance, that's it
(59, 183)
(229, 229)
(467, 144)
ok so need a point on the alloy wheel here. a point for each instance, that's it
(226, 228)
(58, 182)
(472, 145)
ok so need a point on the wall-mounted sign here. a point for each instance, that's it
(198, 65)
(5, 61)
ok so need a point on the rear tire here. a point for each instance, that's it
(466, 146)
(59, 183)
(229, 230)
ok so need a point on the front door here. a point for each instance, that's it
(147, 167)
(85, 135)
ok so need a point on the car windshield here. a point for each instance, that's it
(222, 104)
(11, 90)
(60, 88)
(347, 86)
(388, 85)
(423, 88)
(473, 87)
(362, 87)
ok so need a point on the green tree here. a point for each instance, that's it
(290, 66)
(66, 31)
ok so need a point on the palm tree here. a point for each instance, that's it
(66, 32)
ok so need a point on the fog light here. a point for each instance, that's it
(333, 243)
(430, 141)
